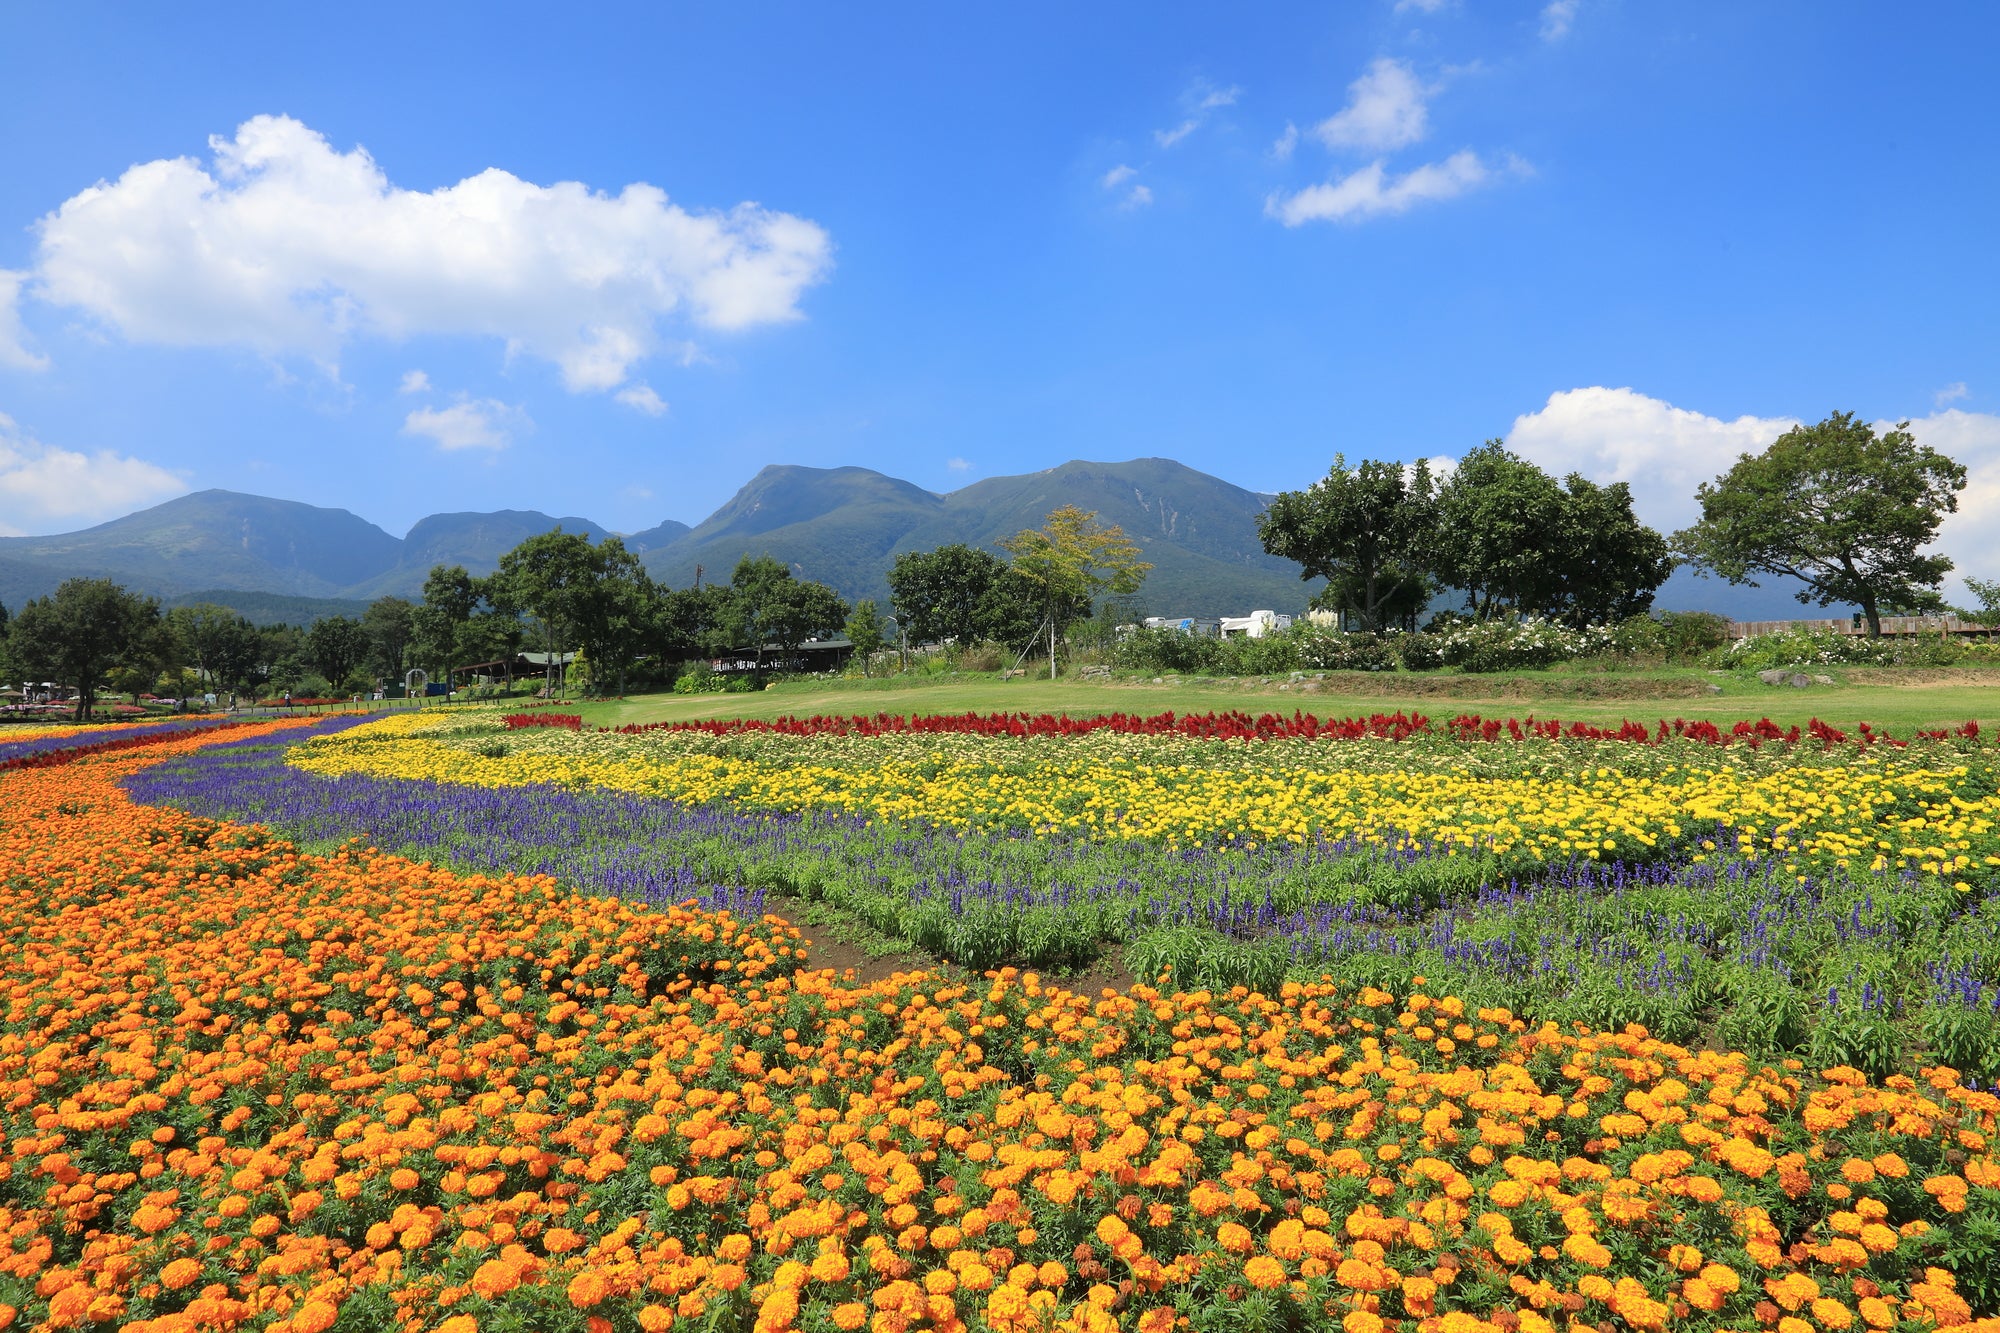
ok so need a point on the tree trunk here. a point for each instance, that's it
(1052, 642)
(1873, 617)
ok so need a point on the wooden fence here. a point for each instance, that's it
(1891, 625)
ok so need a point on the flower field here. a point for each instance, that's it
(1791, 894)
(561, 1074)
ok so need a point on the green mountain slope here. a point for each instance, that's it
(1199, 532)
(216, 539)
(474, 540)
(834, 525)
(845, 526)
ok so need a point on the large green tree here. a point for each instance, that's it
(1070, 559)
(1498, 524)
(768, 607)
(1608, 564)
(83, 630)
(339, 645)
(1367, 531)
(219, 643)
(390, 625)
(441, 623)
(615, 612)
(936, 594)
(1516, 541)
(1845, 511)
(552, 577)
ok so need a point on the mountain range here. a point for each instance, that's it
(841, 526)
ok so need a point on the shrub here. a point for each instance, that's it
(1333, 650)
(1422, 651)
(698, 678)
(1825, 647)
(1514, 645)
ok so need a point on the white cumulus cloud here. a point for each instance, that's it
(1374, 192)
(1664, 452)
(472, 423)
(46, 489)
(414, 381)
(641, 398)
(1970, 536)
(14, 349)
(1385, 110)
(958, 464)
(1557, 15)
(282, 244)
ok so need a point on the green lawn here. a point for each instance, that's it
(1895, 700)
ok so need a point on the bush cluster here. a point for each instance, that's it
(1672, 638)
(1824, 647)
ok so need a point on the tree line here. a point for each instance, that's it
(1845, 511)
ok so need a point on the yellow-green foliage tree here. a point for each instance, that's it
(1071, 558)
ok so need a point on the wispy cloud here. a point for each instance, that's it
(1137, 196)
(1199, 100)
(472, 423)
(1374, 192)
(641, 398)
(1421, 6)
(1385, 110)
(958, 465)
(415, 381)
(1951, 393)
(1557, 15)
(13, 337)
(1282, 147)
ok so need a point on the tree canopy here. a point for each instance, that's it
(1072, 557)
(1845, 511)
(961, 593)
(1366, 530)
(81, 631)
(1498, 529)
(339, 646)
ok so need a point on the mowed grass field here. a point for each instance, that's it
(1896, 700)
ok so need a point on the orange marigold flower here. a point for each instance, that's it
(180, 1273)
(314, 1316)
(1264, 1272)
(587, 1289)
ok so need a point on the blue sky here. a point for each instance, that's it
(404, 259)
